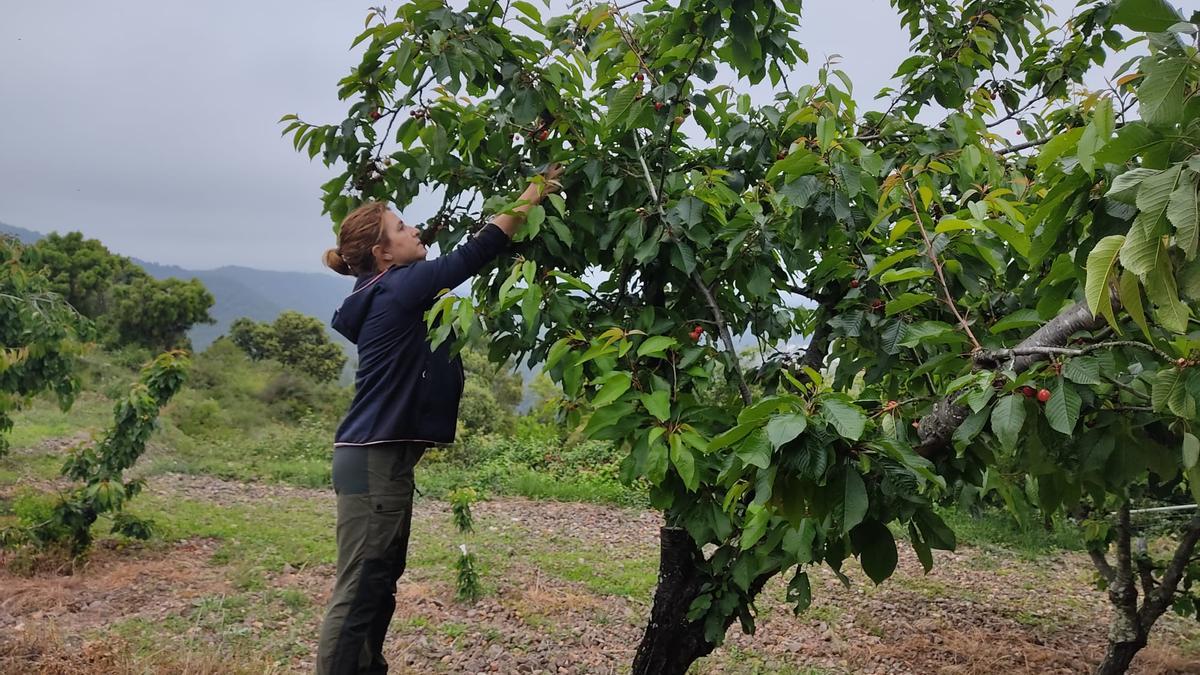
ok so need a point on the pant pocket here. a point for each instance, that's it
(388, 527)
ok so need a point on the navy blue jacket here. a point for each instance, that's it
(405, 391)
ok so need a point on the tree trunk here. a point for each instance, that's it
(671, 643)
(1119, 656)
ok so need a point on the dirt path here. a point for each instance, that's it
(977, 612)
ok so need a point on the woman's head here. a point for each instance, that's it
(373, 238)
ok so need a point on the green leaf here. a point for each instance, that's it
(655, 345)
(557, 351)
(892, 276)
(1022, 318)
(1096, 135)
(1191, 450)
(876, 549)
(1124, 187)
(1183, 210)
(685, 463)
(1062, 410)
(757, 519)
(535, 217)
(1171, 312)
(1082, 370)
(891, 260)
(615, 384)
(906, 301)
(1131, 300)
(656, 461)
(1101, 274)
(935, 531)
(846, 418)
(606, 417)
(799, 592)
(730, 437)
(782, 429)
(854, 504)
(658, 403)
(1169, 393)
(1131, 140)
(1058, 146)
(1161, 94)
(1008, 416)
(619, 102)
(756, 450)
(691, 210)
(1148, 16)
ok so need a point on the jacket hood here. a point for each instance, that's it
(350, 317)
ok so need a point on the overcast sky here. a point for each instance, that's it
(152, 125)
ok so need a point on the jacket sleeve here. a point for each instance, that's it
(427, 279)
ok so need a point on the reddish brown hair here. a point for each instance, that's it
(361, 230)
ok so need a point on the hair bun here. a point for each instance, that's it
(336, 262)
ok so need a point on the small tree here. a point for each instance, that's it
(294, 340)
(100, 468)
(41, 338)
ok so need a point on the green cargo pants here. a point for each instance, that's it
(374, 487)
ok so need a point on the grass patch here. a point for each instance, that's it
(997, 528)
(600, 570)
(43, 420)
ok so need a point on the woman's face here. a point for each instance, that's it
(402, 243)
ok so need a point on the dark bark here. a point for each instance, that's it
(671, 643)
(1118, 657)
(937, 428)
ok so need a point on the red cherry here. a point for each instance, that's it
(854, 283)
(375, 114)
(1043, 395)
(544, 135)
(876, 304)
(639, 77)
(781, 155)
(1028, 392)
(658, 105)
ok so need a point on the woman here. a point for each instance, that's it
(406, 399)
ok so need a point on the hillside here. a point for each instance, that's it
(242, 291)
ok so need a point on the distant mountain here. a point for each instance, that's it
(242, 291)
(25, 236)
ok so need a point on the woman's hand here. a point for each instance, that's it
(537, 190)
(533, 194)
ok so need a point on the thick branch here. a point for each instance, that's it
(994, 357)
(1101, 564)
(937, 428)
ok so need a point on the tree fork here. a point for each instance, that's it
(937, 428)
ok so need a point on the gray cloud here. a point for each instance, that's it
(152, 125)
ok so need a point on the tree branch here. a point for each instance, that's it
(726, 336)
(1023, 146)
(1165, 593)
(1101, 564)
(994, 357)
(937, 266)
(936, 429)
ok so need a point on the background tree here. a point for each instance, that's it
(41, 338)
(83, 271)
(157, 313)
(127, 304)
(944, 268)
(294, 340)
